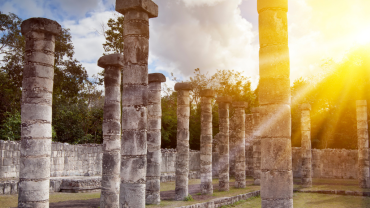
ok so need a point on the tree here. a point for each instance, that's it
(114, 36)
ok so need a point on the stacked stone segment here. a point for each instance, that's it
(239, 150)
(182, 148)
(249, 145)
(154, 155)
(363, 143)
(274, 100)
(36, 111)
(206, 142)
(110, 183)
(306, 145)
(256, 146)
(223, 142)
(134, 99)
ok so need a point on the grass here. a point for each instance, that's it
(303, 200)
(12, 200)
(300, 199)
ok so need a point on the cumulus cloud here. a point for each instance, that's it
(204, 34)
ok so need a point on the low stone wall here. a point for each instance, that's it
(224, 201)
(328, 163)
(66, 159)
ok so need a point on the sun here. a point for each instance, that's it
(364, 36)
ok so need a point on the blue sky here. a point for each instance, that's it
(211, 34)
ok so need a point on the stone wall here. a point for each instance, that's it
(328, 163)
(85, 160)
(66, 159)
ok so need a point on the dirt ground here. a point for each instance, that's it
(165, 195)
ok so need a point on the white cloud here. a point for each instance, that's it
(206, 34)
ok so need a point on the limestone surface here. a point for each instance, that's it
(256, 147)
(306, 145)
(239, 143)
(274, 101)
(223, 145)
(182, 148)
(206, 142)
(135, 99)
(154, 155)
(36, 111)
(110, 183)
(363, 143)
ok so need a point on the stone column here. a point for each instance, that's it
(249, 144)
(182, 148)
(223, 145)
(274, 100)
(134, 99)
(206, 142)
(154, 155)
(232, 140)
(256, 147)
(111, 163)
(306, 146)
(36, 111)
(239, 143)
(363, 143)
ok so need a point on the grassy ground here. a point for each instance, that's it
(12, 200)
(300, 199)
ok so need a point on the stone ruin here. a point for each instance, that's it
(129, 166)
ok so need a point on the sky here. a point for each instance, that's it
(212, 34)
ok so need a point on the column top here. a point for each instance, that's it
(255, 110)
(240, 104)
(305, 106)
(148, 6)
(207, 93)
(39, 24)
(183, 86)
(115, 59)
(156, 77)
(272, 4)
(361, 103)
(224, 99)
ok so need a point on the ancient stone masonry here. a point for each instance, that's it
(154, 156)
(182, 148)
(223, 144)
(232, 144)
(36, 111)
(256, 147)
(112, 64)
(306, 146)
(249, 145)
(363, 143)
(134, 99)
(215, 156)
(274, 101)
(206, 142)
(239, 143)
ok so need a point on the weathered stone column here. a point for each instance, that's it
(36, 111)
(134, 99)
(256, 147)
(206, 142)
(306, 146)
(239, 143)
(223, 145)
(274, 100)
(363, 143)
(111, 164)
(154, 155)
(232, 140)
(249, 145)
(182, 148)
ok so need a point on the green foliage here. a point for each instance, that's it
(189, 198)
(332, 95)
(11, 127)
(114, 36)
